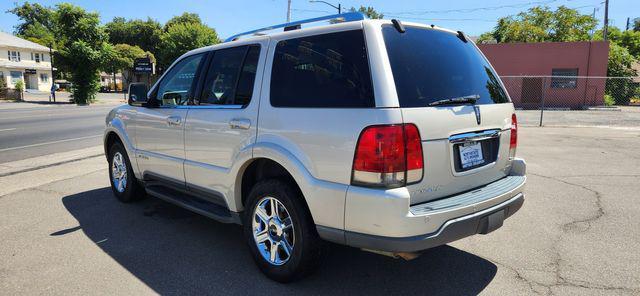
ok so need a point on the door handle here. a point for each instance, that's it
(174, 120)
(240, 123)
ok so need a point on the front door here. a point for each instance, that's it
(30, 81)
(222, 124)
(160, 127)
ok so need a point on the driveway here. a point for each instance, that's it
(578, 233)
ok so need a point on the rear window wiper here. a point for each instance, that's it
(455, 101)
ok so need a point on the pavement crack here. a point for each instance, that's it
(518, 275)
(560, 281)
(574, 225)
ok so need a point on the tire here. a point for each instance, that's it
(130, 189)
(302, 237)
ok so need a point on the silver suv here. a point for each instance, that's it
(386, 136)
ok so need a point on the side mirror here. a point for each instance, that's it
(138, 94)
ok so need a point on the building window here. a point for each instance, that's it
(44, 77)
(15, 76)
(37, 57)
(564, 78)
(14, 56)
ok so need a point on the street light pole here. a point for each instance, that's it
(288, 11)
(53, 77)
(339, 7)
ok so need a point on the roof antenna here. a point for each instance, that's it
(462, 36)
(398, 25)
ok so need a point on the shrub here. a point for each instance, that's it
(609, 100)
(19, 86)
(3, 88)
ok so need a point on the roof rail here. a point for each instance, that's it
(342, 17)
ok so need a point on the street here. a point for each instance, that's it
(577, 233)
(35, 131)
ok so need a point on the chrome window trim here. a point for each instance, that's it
(212, 107)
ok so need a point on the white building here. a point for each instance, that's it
(24, 60)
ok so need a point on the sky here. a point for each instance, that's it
(230, 17)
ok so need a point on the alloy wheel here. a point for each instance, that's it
(119, 172)
(273, 231)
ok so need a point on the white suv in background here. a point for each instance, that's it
(380, 135)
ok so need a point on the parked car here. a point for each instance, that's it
(384, 136)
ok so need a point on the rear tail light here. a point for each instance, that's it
(513, 143)
(388, 156)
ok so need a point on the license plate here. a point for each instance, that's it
(471, 154)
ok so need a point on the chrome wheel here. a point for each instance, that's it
(119, 172)
(273, 231)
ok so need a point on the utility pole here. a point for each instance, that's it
(605, 30)
(594, 29)
(288, 11)
(628, 19)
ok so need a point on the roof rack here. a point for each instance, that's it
(342, 17)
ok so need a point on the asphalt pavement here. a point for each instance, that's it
(30, 129)
(578, 233)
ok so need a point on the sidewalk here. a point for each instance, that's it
(33, 172)
(34, 99)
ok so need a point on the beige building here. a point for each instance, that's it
(24, 60)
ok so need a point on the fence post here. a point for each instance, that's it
(544, 85)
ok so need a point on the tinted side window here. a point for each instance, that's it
(244, 91)
(329, 70)
(220, 84)
(175, 87)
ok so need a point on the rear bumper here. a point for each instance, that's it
(383, 219)
(481, 222)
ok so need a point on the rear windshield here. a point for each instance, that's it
(430, 65)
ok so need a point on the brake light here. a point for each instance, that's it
(513, 143)
(388, 155)
(415, 163)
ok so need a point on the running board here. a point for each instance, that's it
(194, 204)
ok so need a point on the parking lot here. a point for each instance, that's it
(578, 233)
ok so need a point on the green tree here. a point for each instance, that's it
(540, 24)
(73, 23)
(37, 23)
(619, 65)
(186, 17)
(627, 39)
(183, 37)
(145, 34)
(486, 37)
(369, 11)
(636, 25)
(81, 49)
(126, 56)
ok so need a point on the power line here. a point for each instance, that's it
(466, 10)
(439, 19)
(470, 19)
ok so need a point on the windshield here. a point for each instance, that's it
(431, 65)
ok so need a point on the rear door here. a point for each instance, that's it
(222, 121)
(465, 145)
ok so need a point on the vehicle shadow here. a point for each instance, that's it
(174, 251)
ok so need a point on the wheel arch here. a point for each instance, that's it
(325, 200)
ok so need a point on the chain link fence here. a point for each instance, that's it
(571, 92)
